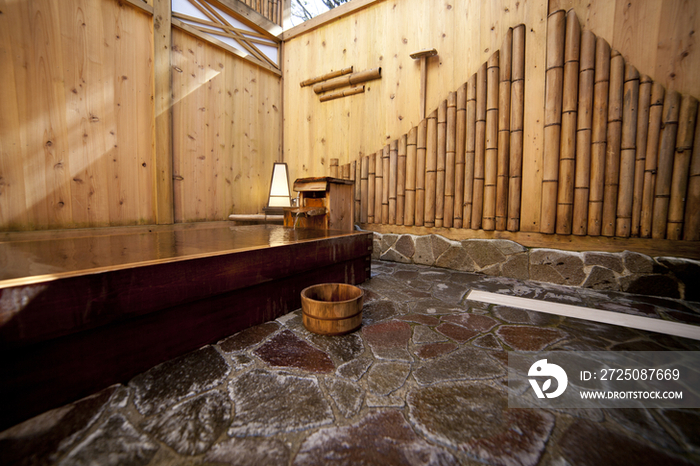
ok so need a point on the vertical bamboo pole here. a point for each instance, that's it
(355, 177)
(385, 184)
(449, 207)
(371, 187)
(641, 152)
(469, 154)
(664, 171)
(691, 230)
(393, 177)
(420, 172)
(334, 168)
(401, 181)
(410, 209)
(345, 171)
(628, 152)
(567, 143)
(364, 188)
(652, 158)
(612, 154)
(503, 162)
(440, 165)
(491, 155)
(598, 137)
(460, 147)
(517, 108)
(479, 149)
(554, 75)
(430, 169)
(681, 166)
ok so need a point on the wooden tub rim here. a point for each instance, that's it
(361, 295)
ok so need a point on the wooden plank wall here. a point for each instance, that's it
(77, 120)
(76, 114)
(226, 131)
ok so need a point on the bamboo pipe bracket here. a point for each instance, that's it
(423, 56)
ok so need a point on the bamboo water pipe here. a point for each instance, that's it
(325, 77)
(348, 80)
(430, 169)
(569, 120)
(460, 155)
(628, 152)
(641, 152)
(503, 154)
(664, 173)
(613, 143)
(440, 165)
(598, 136)
(491, 154)
(681, 167)
(652, 158)
(554, 76)
(449, 202)
(410, 208)
(479, 149)
(401, 181)
(582, 176)
(517, 112)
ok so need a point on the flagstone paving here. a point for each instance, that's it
(423, 382)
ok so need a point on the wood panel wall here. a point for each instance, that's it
(226, 131)
(76, 114)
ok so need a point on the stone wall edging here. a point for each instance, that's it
(626, 271)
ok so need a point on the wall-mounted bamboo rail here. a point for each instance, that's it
(327, 76)
(341, 94)
(348, 80)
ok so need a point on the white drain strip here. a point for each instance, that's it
(586, 313)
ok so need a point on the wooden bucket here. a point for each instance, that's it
(332, 308)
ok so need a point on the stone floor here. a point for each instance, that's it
(422, 382)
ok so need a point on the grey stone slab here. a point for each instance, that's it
(172, 381)
(192, 426)
(405, 246)
(423, 334)
(385, 378)
(483, 252)
(475, 418)
(378, 311)
(268, 403)
(464, 364)
(342, 348)
(355, 369)
(348, 396)
(250, 451)
(601, 278)
(636, 262)
(448, 292)
(114, 442)
(555, 266)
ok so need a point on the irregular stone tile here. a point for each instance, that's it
(404, 245)
(172, 381)
(607, 260)
(487, 341)
(636, 262)
(395, 256)
(387, 377)
(456, 332)
(429, 248)
(240, 361)
(433, 275)
(517, 266)
(383, 283)
(465, 364)
(115, 442)
(434, 350)
(687, 272)
(388, 240)
(483, 252)
(475, 418)
(423, 334)
(288, 350)
(347, 396)
(407, 275)
(192, 426)
(420, 319)
(245, 451)
(267, 403)
(355, 369)
(391, 401)
(600, 278)
(248, 337)
(382, 437)
(611, 448)
(389, 340)
(555, 266)
(456, 258)
(686, 424)
(472, 321)
(654, 284)
(512, 315)
(344, 348)
(433, 307)
(42, 438)
(641, 422)
(529, 338)
(377, 312)
(449, 292)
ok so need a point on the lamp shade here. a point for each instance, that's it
(279, 187)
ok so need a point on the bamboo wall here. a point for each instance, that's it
(78, 121)
(270, 9)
